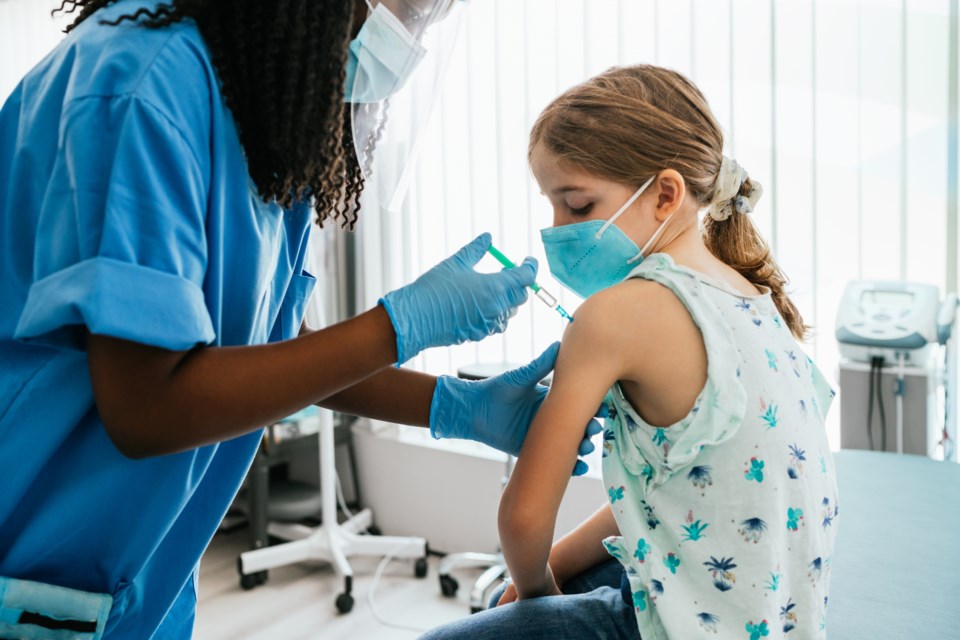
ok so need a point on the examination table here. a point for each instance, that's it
(895, 572)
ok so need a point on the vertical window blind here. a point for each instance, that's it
(845, 110)
(27, 34)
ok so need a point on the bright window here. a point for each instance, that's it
(842, 109)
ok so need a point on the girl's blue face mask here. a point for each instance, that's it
(587, 257)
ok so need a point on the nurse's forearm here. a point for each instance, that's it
(154, 402)
(393, 395)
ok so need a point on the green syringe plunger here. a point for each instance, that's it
(539, 291)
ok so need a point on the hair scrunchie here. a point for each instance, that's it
(727, 199)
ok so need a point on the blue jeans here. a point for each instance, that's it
(592, 607)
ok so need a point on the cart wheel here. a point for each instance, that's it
(250, 581)
(374, 530)
(449, 586)
(253, 580)
(420, 568)
(344, 603)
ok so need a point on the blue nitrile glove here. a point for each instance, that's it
(452, 303)
(498, 411)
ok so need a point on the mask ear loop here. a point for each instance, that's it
(653, 238)
(625, 206)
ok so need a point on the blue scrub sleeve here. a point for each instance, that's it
(121, 248)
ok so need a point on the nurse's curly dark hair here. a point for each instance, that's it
(281, 66)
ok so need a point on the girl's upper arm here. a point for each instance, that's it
(590, 361)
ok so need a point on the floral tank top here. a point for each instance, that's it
(728, 518)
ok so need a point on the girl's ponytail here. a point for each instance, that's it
(730, 235)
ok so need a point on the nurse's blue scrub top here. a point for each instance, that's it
(126, 209)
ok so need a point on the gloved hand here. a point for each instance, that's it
(498, 411)
(452, 303)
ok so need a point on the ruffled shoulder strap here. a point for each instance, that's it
(654, 453)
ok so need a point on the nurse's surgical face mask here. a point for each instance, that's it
(385, 54)
(587, 257)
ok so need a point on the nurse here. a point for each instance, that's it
(159, 172)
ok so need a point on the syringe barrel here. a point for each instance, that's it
(546, 297)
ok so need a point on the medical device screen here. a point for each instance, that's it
(887, 298)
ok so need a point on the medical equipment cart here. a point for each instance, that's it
(332, 541)
(898, 355)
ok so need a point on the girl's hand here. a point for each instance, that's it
(510, 594)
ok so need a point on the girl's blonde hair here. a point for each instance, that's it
(630, 123)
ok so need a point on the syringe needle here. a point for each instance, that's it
(539, 291)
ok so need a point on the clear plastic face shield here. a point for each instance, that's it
(395, 67)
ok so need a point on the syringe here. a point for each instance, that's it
(539, 291)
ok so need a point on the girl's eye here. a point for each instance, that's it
(582, 211)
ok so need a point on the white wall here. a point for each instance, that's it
(448, 497)
(27, 34)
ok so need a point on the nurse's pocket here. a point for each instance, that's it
(34, 611)
(295, 304)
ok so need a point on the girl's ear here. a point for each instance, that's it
(671, 190)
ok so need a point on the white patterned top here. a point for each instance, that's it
(728, 518)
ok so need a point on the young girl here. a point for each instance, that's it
(722, 500)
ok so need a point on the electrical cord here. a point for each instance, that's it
(883, 415)
(371, 594)
(901, 388)
(378, 574)
(944, 433)
(873, 367)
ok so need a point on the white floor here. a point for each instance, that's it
(297, 602)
